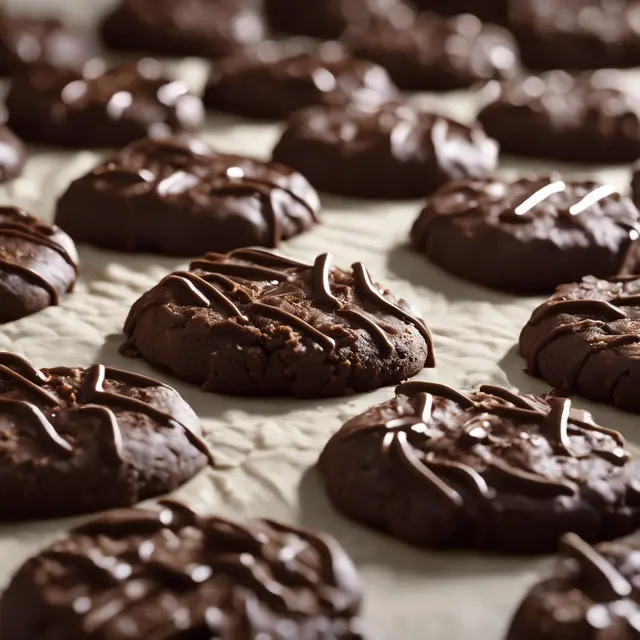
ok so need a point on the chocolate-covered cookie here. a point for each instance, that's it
(81, 440)
(25, 41)
(428, 52)
(253, 323)
(38, 264)
(389, 151)
(488, 469)
(576, 34)
(12, 153)
(168, 573)
(585, 118)
(489, 10)
(591, 594)
(251, 86)
(207, 28)
(179, 198)
(98, 107)
(586, 339)
(529, 235)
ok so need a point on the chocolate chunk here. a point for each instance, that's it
(251, 86)
(489, 10)
(13, 155)
(169, 573)
(529, 235)
(591, 593)
(179, 198)
(488, 469)
(253, 323)
(432, 53)
(390, 151)
(586, 339)
(588, 118)
(576, 34)
(38, 264)
(207, 28)
(98, 107)
(81, 440)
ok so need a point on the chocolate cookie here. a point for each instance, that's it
(429, 52)
(489, 10)
(488, 469)
(207, 28)
(169, 573)
(586, 339)
(100, 108)
(576, 34)
(179, 198)
(588, 118)
(81, 440)
(529, 235)
(591, 594)
(38, 264)
(390, 151)
(253, 323)
(25, 41)
(12, 154)
(250, 86)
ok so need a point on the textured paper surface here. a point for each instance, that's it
(267, 449)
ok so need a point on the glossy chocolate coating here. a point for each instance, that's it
(591, 594)
(586, 339)
(529, 235)
(585, 118)
(429, 52)
(254, 323)
(390, 151)
(81, 440)
(13, 154)
(206, 28)
(251, 86)
(169, 573)
(489, 469)
(178, 197)
(98, 107)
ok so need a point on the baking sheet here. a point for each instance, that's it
(267, 448)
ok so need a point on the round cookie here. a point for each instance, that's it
(590, 594)
(38, 264)
(585, 118)
(81, 440)
(98, 107)
(586, 339)
(488, 10)
(179, 198)
(13, 154)
(249, 86)
(486, 469)
(576, 34)
(389, 151)
(428, 52)
(529, 235)
(253, 323)
(206, 28)
(169, 573)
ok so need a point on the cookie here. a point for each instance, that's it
(179, 198)
(576, 34)
(25, 41)
(429, 52)
(590, 594)
(250, 86)
(13, 154)
(206, 28)
(168, 573)
(586, 339)
(81, 440)
(390, 151)
(528, 235)
(253, 323)
(38, 264)
(585, 118)
(486, 469)
(490, 10)
(98, 107)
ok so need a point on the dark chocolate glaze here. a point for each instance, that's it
(233, 581)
